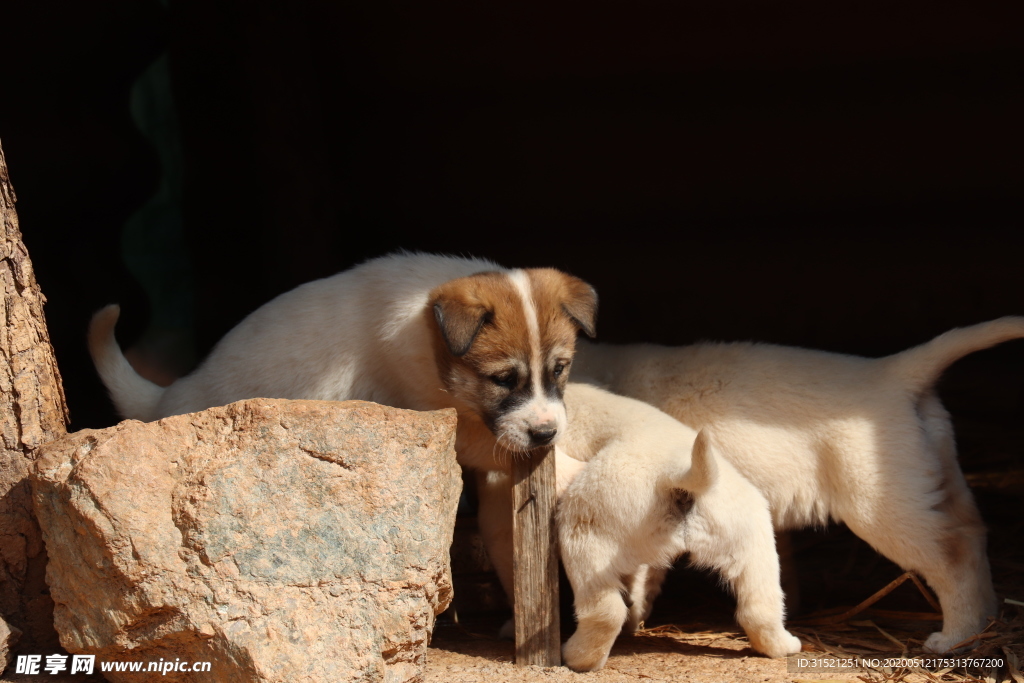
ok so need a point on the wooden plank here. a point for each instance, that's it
(535, 563)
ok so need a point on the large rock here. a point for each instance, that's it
(9, 636)
(278, 540)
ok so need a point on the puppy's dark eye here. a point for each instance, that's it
(559, 369)
(508, 380)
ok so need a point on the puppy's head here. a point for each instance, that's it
(504, 342)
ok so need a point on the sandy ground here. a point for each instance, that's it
(705, 653)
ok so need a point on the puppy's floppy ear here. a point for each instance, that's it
(459, 318)
(580, 304)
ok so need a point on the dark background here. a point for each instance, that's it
(845, 176)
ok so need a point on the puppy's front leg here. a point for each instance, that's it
(494, 518)
(644, 587)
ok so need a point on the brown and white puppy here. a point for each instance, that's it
(824, 436)
(414, 331)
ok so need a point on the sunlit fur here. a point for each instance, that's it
(625, 515)
(372, 333)
(827, 436)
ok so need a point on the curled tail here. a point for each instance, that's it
(921, 366)
(703, 469)
(134, 396)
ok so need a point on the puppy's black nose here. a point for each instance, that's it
(543, 434)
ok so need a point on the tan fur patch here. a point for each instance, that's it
(505, 333)
(482, 331)
(564, 305)
(964, 523)
(501, 341)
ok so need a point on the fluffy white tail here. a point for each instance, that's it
(703, 469)
(921, 366)
(134, 396)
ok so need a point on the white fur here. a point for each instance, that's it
(360, 334)
(827, 436)
(541, 409)
(619, 520)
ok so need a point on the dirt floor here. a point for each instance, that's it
(692, 637)
(717, 651)
(711, 654)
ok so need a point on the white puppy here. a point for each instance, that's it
(412, 331)
(827, 436)
(652, 490)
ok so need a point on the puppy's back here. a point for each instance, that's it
(598, 417)
(359, 334)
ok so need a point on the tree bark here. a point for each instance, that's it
(32, 412)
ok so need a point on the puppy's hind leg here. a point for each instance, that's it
(726, 532)
(930, 524)
(965, 534)
(596, 585)
(945, 544)
(600, 613)
(967, 598)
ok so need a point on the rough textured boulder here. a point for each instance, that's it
(278, 540)
(9, 636)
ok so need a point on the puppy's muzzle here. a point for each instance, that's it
(543, 434)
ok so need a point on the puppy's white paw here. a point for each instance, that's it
(578, 657)
(939, 642)
(777, 644)
(633, 624)
(792, 645)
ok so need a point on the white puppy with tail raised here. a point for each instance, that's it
(652, 489)
(828, 436)
(412, 331)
